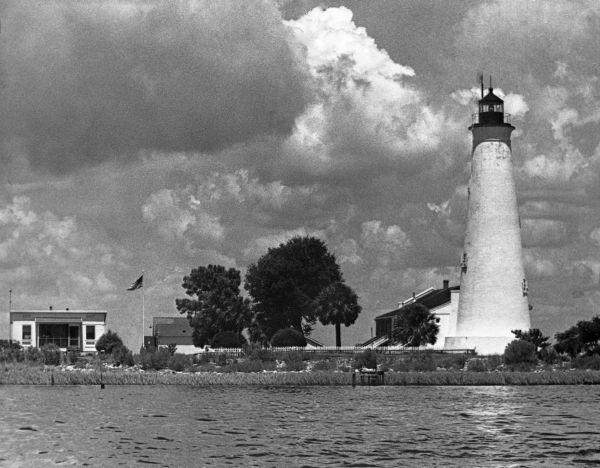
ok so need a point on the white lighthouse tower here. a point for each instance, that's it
(493, 289)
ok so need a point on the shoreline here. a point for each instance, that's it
(56, 376)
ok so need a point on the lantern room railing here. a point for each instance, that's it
(475, 118)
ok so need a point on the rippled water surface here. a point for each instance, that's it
(300, 426)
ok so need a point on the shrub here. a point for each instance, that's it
(52, 354)
(160, 359)
(108, 341)
(294, 365)
(221, 359)
(122, 356)
(34, 355)
(367, 360)
(587, 362)
(549, 355)
(228, 339)
(520, 352)
(476, 365)
(248, 366)
(288, 356)
(179, 362)
(288, 337)
(255, 352)
(324, 365)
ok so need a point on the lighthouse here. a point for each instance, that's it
(493, 288)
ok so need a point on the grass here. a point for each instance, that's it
(26, 374)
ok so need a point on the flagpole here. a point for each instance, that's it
(143, 313)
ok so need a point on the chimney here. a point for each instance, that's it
(446, 284)
(50, 307)
(67, 309)
(414, 296)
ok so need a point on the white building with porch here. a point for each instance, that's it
(65, 328)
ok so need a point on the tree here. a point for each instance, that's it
(415, 326)
(284, 284)
(288, 337)
(582, 337)
(533, 335)
(228, 339)
(217, 306)
(337, 304)
(108, 342)
(568, 342)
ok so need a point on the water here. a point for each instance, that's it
(180, 426)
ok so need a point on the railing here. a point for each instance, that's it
(61, 342)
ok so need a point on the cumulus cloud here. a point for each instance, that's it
(94, 81)
(367, 113)
(173, 218)
(51, 252)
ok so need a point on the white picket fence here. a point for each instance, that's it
(329, 350)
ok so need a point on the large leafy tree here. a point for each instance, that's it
(337, 304)
(584, 336)
(284, 284)
(415, 326)
(216, 303)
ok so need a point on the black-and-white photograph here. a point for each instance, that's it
(299, 233)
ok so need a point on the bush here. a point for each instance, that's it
(108, 341)
(179, 362)
(587, 362)
(366, 360)
(294, 365)
(172, 348)
(476, 365)
(221, 359)
(52, 354)
(248, 366)
(122, 356)
(520, 352)
(324, 365)
(288, 337)
(256, 352)
(228, 339)
(34, 355)
(549, 355)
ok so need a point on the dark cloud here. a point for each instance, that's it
(90, 81)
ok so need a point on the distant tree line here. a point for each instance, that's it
(290, 287)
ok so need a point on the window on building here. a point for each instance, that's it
(26, 334)
(90, 332)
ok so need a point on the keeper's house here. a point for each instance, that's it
(66, 328)
(442, 303)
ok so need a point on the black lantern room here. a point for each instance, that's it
(491, 109)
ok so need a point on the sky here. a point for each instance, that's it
(160, 136)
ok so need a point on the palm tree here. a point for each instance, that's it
(337, 304)
(415, 326)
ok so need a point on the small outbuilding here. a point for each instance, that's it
(174, 330)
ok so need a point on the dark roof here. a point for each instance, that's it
(490, 97)
(313, 342)
(431, 300)
(172, 326)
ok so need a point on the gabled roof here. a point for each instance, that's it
(431, 299)
(312, 342)
(172, 326)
